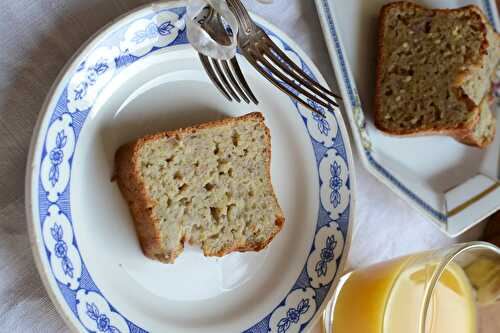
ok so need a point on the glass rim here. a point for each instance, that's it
(450, 256)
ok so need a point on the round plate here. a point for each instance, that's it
(138, 76)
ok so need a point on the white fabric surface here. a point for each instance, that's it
(37, 38)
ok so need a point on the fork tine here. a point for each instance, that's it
(297, 69)
(290, 82)
(278, 85)
(241, 79)
(307, 83)
(213, 77)
(223, 78)
(227, 70)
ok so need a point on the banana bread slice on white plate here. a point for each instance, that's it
(209, 185)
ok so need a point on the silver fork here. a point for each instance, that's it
(225, 75)
(256, 46)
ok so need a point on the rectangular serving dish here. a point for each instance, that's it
(456, 186)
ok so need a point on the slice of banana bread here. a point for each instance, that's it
(434, 69)
(209, 185)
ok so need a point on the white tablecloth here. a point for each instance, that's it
(37, 38)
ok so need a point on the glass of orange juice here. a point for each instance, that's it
(451, 290)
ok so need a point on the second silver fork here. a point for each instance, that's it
(265, 56)
(225, 75)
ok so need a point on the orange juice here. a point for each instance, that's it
(389, 297)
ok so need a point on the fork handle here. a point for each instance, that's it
(242, 15)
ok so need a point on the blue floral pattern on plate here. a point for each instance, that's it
(92, 75)
(61, 249)
(293, 315)
(319, 117)
(159, 29)
(323, 261)
(335, 177)
(59, 146)
(96, 315)
(146, 34)
(58, 237)
(326, 255)
(153, 31)
(300, 306)
(90, 78)
(102, 321)
(335, 184)
(321, 125)
(57, 157)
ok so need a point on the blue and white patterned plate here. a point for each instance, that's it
(137, 76)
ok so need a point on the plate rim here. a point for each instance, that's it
(37, 143)
(357, 123)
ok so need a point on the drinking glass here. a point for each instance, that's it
(454, 290)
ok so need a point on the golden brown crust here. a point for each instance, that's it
(132, 188)
(463, 130)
